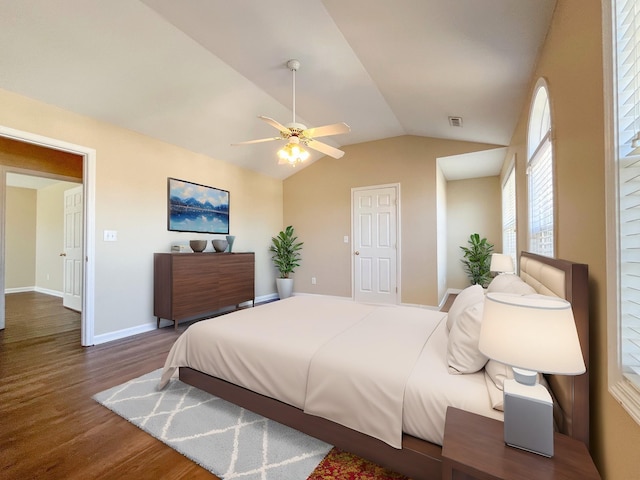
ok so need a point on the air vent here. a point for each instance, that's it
(455, 121)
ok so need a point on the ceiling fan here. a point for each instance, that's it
(298, 135)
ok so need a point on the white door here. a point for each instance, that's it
(72, 255)
(375, 244)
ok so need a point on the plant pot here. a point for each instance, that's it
(285, 287)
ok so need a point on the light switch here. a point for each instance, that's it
(110, 236)
(346, 239)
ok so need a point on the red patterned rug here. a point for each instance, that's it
(339, 465)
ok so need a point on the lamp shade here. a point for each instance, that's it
(501, 263)
(532, 332)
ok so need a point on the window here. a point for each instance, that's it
(509, 216)
(540, 174)
(622, 90)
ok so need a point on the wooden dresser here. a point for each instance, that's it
(193, 285)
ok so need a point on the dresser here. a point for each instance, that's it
(194, 285)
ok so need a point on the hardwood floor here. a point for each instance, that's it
(50, 428)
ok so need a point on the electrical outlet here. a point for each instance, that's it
(313, 280)
(110, 236)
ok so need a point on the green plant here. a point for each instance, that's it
(286, 251)
(477, 260)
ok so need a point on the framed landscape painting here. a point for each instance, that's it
(197, 208)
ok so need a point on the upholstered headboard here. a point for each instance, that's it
(568, 280)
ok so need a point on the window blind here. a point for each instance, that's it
(509, 216)
(541, 201)
(627, 14)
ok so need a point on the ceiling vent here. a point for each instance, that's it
(455, 121)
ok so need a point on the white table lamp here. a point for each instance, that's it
(501, 263)
(531, 333)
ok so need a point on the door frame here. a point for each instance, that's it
(354, 190)
(88, 234)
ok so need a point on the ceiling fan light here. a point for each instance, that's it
(293, 153)
(283, 153)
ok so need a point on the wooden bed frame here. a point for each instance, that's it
(419, 459)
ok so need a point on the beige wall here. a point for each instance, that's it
(131, 189)
(20, 246)
(473, 206)
(317, 202)
(571, 62)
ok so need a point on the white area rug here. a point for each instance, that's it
(227, 440)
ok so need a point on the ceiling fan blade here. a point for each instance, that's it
(257, 141)
(324, 148)
(326, 130)
(275, 124)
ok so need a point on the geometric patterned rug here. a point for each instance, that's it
(227, 440)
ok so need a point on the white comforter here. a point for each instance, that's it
(380, 370)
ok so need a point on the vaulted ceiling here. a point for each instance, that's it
(197, 73)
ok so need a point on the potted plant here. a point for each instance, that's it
(286, 255)
(477, 260)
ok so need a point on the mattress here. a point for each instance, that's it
(297, 351)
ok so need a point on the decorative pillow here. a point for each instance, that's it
(510, 283)
(463, 355)
(467, 297)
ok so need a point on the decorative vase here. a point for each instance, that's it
(198, 245)
(285, 287)
(230, 240)
(219, 245)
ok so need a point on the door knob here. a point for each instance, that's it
(63, 254)
(357, 252)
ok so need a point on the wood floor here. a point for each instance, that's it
(50, 428)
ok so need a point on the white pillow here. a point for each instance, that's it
(463, 355)
(510, 283)
(496, 396)
(501, 372)
(498, 372)
(467, 297)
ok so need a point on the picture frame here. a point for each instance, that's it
(197, 208)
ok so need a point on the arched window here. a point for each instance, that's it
(540, 174)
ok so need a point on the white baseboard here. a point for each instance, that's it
(120, 334)
(266, 298)
(46, 291)
(19, 290)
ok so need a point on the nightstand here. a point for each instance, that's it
(474, 448)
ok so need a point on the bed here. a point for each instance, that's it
(310, 386)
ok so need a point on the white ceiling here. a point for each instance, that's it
(197, 73)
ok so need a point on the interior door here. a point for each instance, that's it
(72, 254)
(375, 250)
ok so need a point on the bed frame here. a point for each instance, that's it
(419, 459)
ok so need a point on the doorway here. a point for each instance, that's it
(375, 233)
(88, 224)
